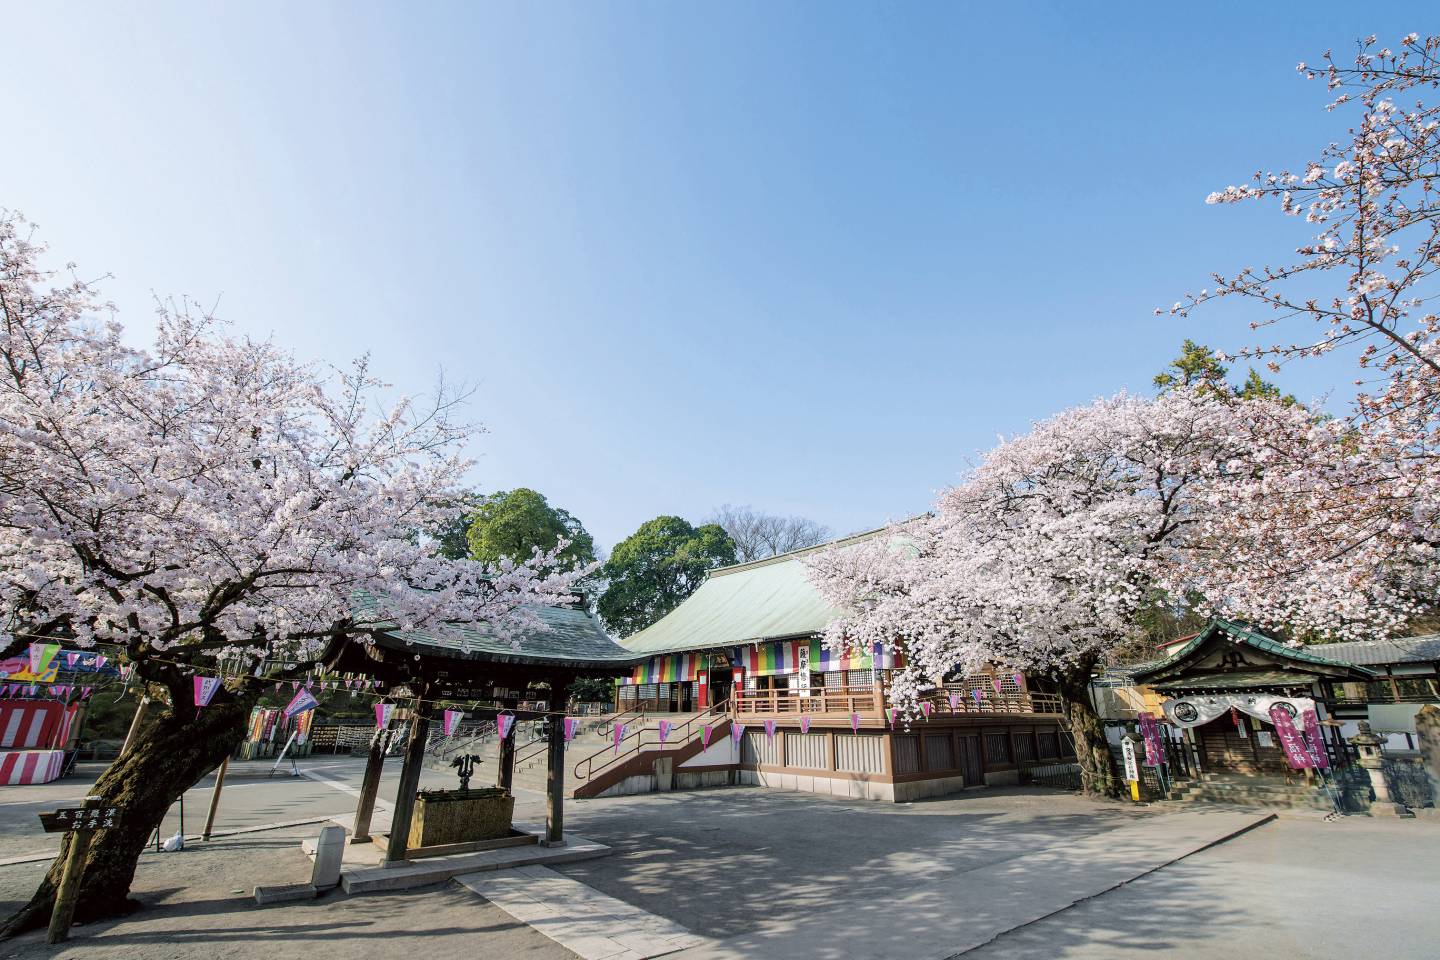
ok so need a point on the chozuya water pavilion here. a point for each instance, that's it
(746, 647)
(424, 670)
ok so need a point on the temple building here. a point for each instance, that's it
(746, 646)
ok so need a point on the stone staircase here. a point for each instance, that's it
(531, 753)
(1247, 791)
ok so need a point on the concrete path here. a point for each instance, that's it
(580, 918)
(940, 920)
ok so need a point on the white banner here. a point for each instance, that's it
(1196, 710)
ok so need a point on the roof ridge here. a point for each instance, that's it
(792, 554)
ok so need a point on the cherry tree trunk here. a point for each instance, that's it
(1098, 776)
(166, 759)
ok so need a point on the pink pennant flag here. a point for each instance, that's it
(571, 725)
(805, 723)
(382, 714)
(309, 683)
(995, 682)
(294, 684)
(665, 726)
(205, 688)
(450, 720)
(504, 723)
(85, 692)
(705, 732)
(618, 735)
(890, 716)
(954, 702)
(978, 694)
(770, 729)
(737, 730)
(855, 722)
(301, 702)
(70, 659)
(1020, 681)
(100, 661)
(925, 707)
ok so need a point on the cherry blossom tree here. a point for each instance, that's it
(1043, 557)
(1362, 282)
(211, 500)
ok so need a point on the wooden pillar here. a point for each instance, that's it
(370, 786)
(555, 782)
(215, 799)
(505, 775)
(409, 781)
(141, 709)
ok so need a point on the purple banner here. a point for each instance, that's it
(1294, 745)
(299, 704)
(664, 727)
(1150, 730)
(571, 725)
(1317, 741)
(805, 723)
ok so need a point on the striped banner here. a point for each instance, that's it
(827, 660)
(30, 766)
(30, 724)
(668, 668)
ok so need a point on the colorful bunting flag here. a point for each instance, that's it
(504, 724)
(705, 732)
(205, 688)
(618, 734)
(925, 706)
(100, 661)
(805, 723)
(995, 682)
(70, 659)
(382, 713)
(1019, 681)
(450, 720)
(737, 730)
(770, 729)
(855, 722)
(40, 656)
(954, 702)
(299, 704)
(978, 695)
(571, 724)
(85, 692)
(665, 726)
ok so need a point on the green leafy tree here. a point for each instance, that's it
(656, 567)
(513, 523)
(1197, 365)
(451, 537)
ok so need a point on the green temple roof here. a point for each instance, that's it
(1300, 660)
(770, 599)
(570, 637)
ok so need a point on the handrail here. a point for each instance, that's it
(868, 702)
(677, 738)
(608, 724)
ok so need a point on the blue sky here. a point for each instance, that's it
(810, 257)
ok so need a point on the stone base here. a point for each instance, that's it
(1389, 810)
(285, 892)
(1430, 814)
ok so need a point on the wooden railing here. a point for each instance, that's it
(871, 703)
(819, 700)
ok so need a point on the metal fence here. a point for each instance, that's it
(1062, 775)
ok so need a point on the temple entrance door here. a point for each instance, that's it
(1224, 748)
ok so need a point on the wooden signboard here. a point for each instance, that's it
(67, 819)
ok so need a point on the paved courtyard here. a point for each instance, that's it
(759, 873)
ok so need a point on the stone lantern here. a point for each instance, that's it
(1372, 759)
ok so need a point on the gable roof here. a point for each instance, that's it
(1370, 653)
(1299, 659)
(770, 599)
(570, 637)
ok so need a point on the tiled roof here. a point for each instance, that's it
(1371, 653)
(571, 637)
(1240, 633)
(1240, 681)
